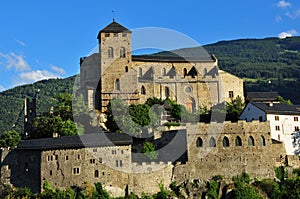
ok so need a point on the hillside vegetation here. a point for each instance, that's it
(269, 64)
(12, 101)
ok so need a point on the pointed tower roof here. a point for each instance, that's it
(114, 27)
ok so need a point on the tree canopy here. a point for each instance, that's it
(10, 139)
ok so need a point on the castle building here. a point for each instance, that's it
(211, 149)
(190, 77)
(194, 152)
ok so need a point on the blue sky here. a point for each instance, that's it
(45, 39)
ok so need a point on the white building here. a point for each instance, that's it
(284, 121)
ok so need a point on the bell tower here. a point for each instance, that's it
(114, 46)
(114, 43)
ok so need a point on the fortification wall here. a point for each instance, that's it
(238, 147)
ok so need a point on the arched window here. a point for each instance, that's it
(251, 141)
(212, 142)
(225, 142)
(140, 72)
(117, 87)
(199, 142)
(126, 69)
(184, 72)
(238, 141)
(96, 174)
(122, 52)
(262, 141)
(143, 90)
(110, 52)
(167, 92)
(164, 72)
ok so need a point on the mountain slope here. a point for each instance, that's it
(270, 64)
(259, 58)
(12, 100)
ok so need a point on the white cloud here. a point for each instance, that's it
(294, 15)
(15, 61)
(20, 42)
(286, 34)
(284, 4)
(58, 70)
(33, 76)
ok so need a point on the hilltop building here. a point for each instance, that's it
(193, 152)
(226, 149)
(284, 121)
(189, 77)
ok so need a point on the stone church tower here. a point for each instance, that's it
(190, 77)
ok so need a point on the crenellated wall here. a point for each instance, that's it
(226, 149)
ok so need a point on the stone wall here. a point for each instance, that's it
(225, 158)
(293, 161)
(21, 168)
(237, 147)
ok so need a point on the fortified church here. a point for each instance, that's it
(192, 152)
(191, 78)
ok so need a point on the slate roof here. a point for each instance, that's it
(157, 58)
(262, 96)
(277, 108)
(196, 54)
(82, 141)
(114, 27)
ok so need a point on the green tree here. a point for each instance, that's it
(282, 100)
(10, 139)
(245, 191)
(64, 107)
(290, 188)
(115, 109)
(45, 126)
(68, 128)
(149, 151)
(234, 109)
(213, 190)
(139, 114)
(270, 187)
(81, 112)
(23, 192)
(163, 192)
(100, 192)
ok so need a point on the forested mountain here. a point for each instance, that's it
(12, 100)
(269, 64)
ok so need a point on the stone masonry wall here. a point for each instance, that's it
(226, 158)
